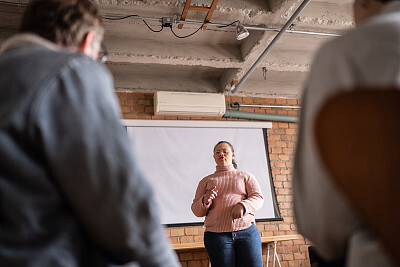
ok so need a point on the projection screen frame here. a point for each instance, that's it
(215, 124)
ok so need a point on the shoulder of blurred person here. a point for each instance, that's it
(361, 56)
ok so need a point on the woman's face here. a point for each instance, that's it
(223, 154)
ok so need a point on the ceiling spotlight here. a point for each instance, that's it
(241, 32)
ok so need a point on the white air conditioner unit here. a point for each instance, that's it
(189, 104)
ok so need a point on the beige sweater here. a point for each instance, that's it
(234, 186)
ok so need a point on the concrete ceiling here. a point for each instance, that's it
(210, 60)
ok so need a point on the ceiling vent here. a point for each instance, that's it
(189, 104)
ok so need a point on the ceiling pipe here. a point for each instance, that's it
(255, 28)
(259, 116)
(280, 33)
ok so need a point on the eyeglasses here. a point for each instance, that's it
(103, 55)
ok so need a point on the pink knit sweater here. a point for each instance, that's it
(233, 187)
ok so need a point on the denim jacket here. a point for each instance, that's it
(71, 193)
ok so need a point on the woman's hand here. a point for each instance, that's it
(210, 195)
(237, 211)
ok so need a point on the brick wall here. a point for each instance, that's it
(281, 143)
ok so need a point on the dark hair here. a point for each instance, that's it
(63, 22)
(386, 1)
(233, 150)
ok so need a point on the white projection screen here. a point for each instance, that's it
(176, 155)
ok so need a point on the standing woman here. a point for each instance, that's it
(228, 198)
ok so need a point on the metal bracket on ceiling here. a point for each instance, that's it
(264, 72)
(188, 7)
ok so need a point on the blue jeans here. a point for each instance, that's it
(234, 249)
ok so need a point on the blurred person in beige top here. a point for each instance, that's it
(228, 199)
(366, 56)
